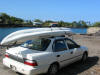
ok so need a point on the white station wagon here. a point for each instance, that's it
(45, 55)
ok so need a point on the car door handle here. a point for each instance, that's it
(71, 52)
(58, 56)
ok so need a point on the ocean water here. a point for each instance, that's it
(6, 31)
(79, 30)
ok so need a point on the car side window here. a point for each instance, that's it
(59, 45)
(71, 44)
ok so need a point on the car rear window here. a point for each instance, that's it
(37, 44)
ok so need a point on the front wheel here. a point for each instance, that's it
(84, 57)
(53, 69)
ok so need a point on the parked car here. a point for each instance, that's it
(45, 55)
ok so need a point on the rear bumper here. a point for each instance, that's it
(20, 67)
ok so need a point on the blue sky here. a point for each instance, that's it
(67, 10)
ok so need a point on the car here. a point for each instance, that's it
(44, 55)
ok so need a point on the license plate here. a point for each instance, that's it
(13, 67)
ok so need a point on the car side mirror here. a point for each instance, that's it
(75, 49)
(78, 46)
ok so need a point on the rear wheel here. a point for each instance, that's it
(53, 69)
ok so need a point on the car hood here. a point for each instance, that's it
(84, 48)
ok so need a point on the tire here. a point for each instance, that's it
(84, 57)
(53, 69)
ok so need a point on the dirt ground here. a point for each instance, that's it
(91, 67)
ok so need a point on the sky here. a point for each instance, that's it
(66, 10)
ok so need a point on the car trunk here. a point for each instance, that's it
(20, 53)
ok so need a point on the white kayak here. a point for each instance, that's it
(28, 34)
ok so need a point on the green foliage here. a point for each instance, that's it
(28, 22)
(14, 20)
(96, 24)
(47, 23)
(38, 20)
(83, 23)
(74, 24)
(61, 24)
(6, 19)
(11, 20)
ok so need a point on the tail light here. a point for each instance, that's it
(7, 55)
(31, 62)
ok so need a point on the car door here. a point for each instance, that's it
(61, 52)
(74, 49)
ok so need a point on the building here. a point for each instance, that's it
(54, 24)
(37, 24)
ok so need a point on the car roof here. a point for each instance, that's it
(57, 37)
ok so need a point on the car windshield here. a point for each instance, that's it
(37, 44)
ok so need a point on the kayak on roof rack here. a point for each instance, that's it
(28, 34)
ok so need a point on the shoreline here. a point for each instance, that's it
(42, 27)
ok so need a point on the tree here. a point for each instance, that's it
(11, 20)
(68, 24)
(5, 18)
(38, 20)
(1, 20)
(47, 23)
(76, 24)
(96, 24)
(14, 20)
(83, 24)
(61, 24)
